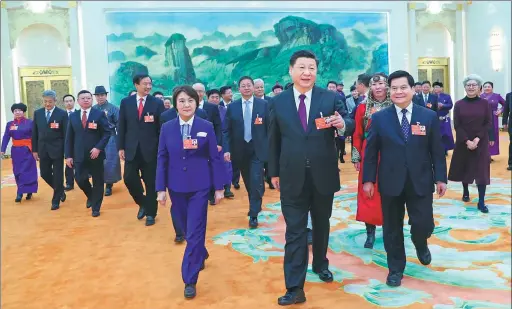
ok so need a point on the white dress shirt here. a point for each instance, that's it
(201, 104)
(425, 97)
(51, 112)
(69, 111)
(408, 115)
(189, 122)
(307, 101)
(143, 100)
(87, 112)
(251, 102)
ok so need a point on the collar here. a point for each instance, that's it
(51, 110)
(408, 108)
(251, 100)
(70, 110)
(296, 93)
(189, 122)
(139, 97)
(85, 110)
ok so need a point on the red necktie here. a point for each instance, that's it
(84, 119)
(141, 106)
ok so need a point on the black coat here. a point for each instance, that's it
(47, 141)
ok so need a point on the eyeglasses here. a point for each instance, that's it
(472, 85)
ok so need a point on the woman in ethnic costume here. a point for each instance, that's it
(494, 100)
(369, 211)
(23, 163)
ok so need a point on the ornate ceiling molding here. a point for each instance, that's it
(445, 18)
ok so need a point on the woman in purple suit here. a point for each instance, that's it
(23, 163)
(187, 164)
(443, 111)
(494, 100)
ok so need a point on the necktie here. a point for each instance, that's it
(84, 119)
(425, 98)
(48, 116)
(405, 124)
(302, 112)
(185, 129)
(247, 122)
(141, 107)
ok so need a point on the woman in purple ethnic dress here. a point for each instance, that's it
(444, 106)
(494, 100)
(473, 128)
(23, 163)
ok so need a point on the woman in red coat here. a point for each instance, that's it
(369, 210)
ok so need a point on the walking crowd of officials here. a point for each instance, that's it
(196, 149)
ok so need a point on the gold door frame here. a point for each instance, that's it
(429, 63)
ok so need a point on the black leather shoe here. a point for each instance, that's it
(253, 222)
(424, 255)
(212, 202)
(509, 168)
(236, 186)
(95, 213)
(108, 191)
(190, 291)
(29, 196)
(394, 279)
(179, 239)
(18, 198)
(228, 194)
(270, 185)
(142, 213)
(88, 204)
(68, 188)
(483, 208)
(55, 206)
(342, 160)
(63, 197)
(465, 198)
(203, 265)
(370, 239)
(292, 297)
(325, 275)
(310, 237)
(150, 220)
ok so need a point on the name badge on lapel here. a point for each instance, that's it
(418, 129)
(54, 125)
(258, 120)
(92, 125)
(322, 122)
(190, 143)
(429, 105)
(149, 118)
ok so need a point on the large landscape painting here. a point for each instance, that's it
(217, 48)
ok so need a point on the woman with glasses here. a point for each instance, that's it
(494, 100)
(472, 117)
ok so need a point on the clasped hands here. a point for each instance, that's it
(472, 145)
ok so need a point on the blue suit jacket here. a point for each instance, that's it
(507, 112)
(446, 100)
(46, 141)
(188, 170)
(422, 157)
(234, 130)
(212, 112)
(80, 141)
(432, 99)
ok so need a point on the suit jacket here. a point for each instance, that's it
(212, 111)
(431, 101)
(188, 170)
(446, 100)
(80, 141)
(234, 130)
(134, 132)
(48, 142)
(507, 112)
(290, 146)
(172, 113)
(421, 158)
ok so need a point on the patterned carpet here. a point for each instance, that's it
(66, 259)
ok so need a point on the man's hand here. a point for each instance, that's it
(491, 143)
(357, 166)
(441, 188)
(69, 162)
(368, 189)
(439, 105)
(219, 195)
(227, 157)
(275, 183)
(95, 152)
(121, 154)
(337, 121)
(161, 197)
(219, 148)
(36, 156)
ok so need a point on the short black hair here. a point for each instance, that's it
(364, 79)
(302, 54)
(277, 87)
(212, 91)
(138, 77)
(289, 85)
(399, 74)
(68, 95)
(188, 90)
(352, 88)
(332, 82)
(157, 93)
(340, 84)
(168, 98)
(82, 92)
(417, 84)
(437, 84)
(426, 82)
(244, 78)
(223, 89)
(490, 83)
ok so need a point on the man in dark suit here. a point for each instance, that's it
(259, 92)
(171, 114)
(246, 143)
(87, 135)
(227, 97)
(48, 134)
(507, 125)
(137, 142)
(304, 167)
(69, 103)
(425, 98)
(408, 141)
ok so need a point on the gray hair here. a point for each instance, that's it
(259, 80)
(474, 77)
(50, 94)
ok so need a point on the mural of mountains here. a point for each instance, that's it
(219, 58)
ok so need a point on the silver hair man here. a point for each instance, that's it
(50, 94)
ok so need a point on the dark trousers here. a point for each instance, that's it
(191, 211)
(133, 171)
(421, 220)
(70, 177)
(267, 177)
(340, 147)
(52, 171)
(95, 192)
(295, 207)
(236, 175)
(251, 169)
(510, 149)
(175, 221)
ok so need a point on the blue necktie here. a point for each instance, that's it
(405, 124)
(185, 129)
(247, 122)
(47, 116)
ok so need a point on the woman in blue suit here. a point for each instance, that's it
(187, 164)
